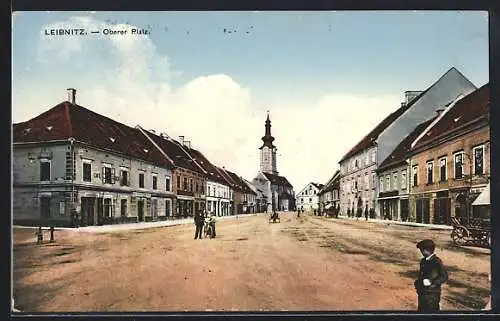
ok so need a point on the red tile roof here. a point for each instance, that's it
(399, 154)
(369, 140)
(472, 107)
(175, 151)
(238, 183)
(67, 120)
(212, 173)
(277, 180)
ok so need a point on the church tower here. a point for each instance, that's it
(268, 151)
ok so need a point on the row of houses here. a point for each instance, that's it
(426, 162)
(72, 166)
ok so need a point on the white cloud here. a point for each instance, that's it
(213, 111)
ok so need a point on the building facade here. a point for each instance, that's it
(363, 159)
(189, 177)
(74, 167)
(393, 176)
(308, 198)
(329, 195)
(450, 161)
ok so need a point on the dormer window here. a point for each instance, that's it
(112, 139)
(27, 130)
(145, 150)
(49, 128)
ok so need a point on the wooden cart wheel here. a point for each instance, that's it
(458, 236)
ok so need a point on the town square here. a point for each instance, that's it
(203, 166)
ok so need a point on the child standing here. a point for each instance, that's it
(432, 274)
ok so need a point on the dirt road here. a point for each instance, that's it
(308, 263)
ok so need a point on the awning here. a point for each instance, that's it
(484, 197)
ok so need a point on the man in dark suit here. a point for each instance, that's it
(431, 275)
(198, 221)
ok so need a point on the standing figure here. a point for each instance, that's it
(366, 212)
(198, 221)
(431, 275)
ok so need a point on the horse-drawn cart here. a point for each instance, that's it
(474, 229)
(474, 232)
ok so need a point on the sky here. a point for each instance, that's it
(326, 78)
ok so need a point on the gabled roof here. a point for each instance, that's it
(369, 140)
(472, 107)
(212, 172)
(317, 185)
(399, 154)
(332, 183)
(239, 183)
(67, 120)
(174, 150)
(277, 180)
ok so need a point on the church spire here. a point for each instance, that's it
(268, 138)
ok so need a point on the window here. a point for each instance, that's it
(381, 184)
(185, 185)
(124, 181)
(108, 208)
(44, 169)
(310, 200)
(209, 191)
(459, 166)
(302, 200)
(374, 182)
(430, 172)
(367, 182)
(178, 182)
(403, 179)
(197, 187)
(415, 175)
(395, 181)
(388, 182)
(155, 181)
(141, 180)
(374, 156)
(108, 174)
(167, 184)
(87, 171)
(123, 208)
(478, 160)
(191, 185)
(367, 161)
(168, 208)
(442, 170)
(356, 164)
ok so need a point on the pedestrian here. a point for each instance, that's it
(431, 275)
(366, 212)
(198, 221)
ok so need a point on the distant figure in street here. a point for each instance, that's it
(314, 212)
(198, 221)
(366, 212)
(298, 212)
(431, 275)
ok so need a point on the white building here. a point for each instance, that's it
(308, 199)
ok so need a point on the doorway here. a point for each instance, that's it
(140, 210)
(45, 207)
(87, 217)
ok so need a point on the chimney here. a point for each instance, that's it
(187, 143)
(181, 139)
(439, 111)
(410, 95)
(71, 95)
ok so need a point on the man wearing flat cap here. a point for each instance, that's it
(431, 275)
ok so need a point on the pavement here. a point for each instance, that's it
(138, 226)
(389, 222)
